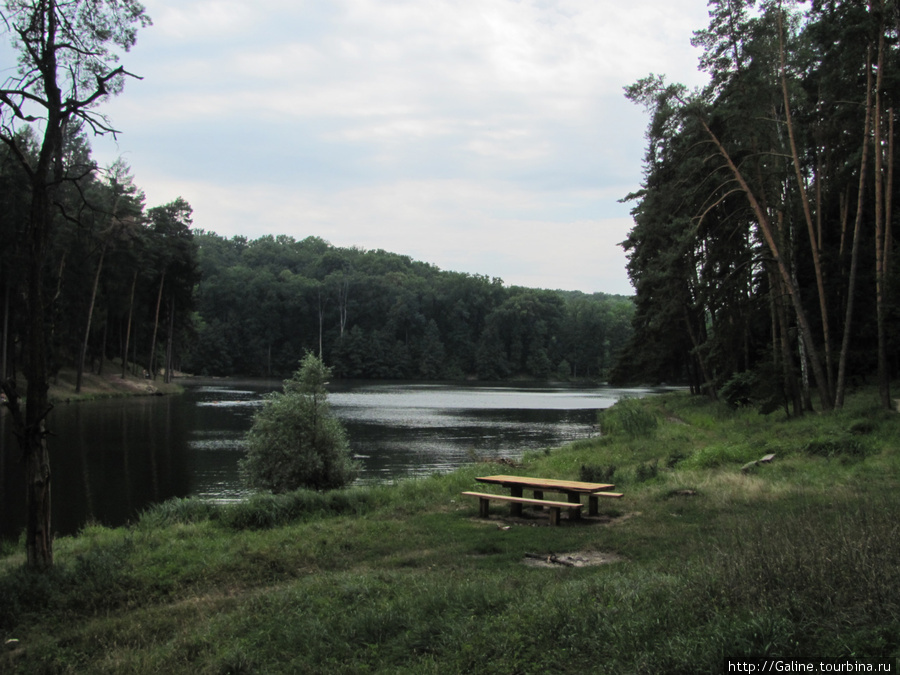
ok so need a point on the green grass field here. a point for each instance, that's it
(796, 558)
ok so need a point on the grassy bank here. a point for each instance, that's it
(109, 385)
(699, 561)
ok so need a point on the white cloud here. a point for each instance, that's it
(480, 135)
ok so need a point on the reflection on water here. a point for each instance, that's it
(113, 458)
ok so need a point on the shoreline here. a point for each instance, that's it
(109, 385)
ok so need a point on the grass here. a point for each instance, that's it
(796, 558)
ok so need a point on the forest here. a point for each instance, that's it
(762, 246)
(261, 304)
(138, 286)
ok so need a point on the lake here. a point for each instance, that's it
(113, 458)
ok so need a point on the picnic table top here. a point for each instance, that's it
(546, 483)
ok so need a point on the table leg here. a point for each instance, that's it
(554, 515)
(538, 494)
(574, 498)
(593, 505)
(515, 509)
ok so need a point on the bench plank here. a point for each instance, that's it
(484, 500)
(522, 500)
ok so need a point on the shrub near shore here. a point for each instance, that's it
(793, 558)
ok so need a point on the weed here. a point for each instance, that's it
(674, 459)
(646, 471)
(718, 454)
(590, 473)
(863, 427)
(631, 417)
(179, 510)
(842, 445)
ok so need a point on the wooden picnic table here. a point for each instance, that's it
(573, 489)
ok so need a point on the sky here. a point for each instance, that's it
(483, 136)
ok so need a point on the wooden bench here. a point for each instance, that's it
(593, 501)
(484, 500)
(573, 489)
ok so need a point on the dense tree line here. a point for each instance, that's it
(762, 244)
(118, 278)
(263, 304)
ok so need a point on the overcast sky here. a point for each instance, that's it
(483, 136)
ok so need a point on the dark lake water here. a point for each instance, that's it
(113, 458)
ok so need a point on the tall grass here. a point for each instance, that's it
(631, 417)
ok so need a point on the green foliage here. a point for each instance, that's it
(728, 170)
(295, 441)
(630, 417)
(759, 388)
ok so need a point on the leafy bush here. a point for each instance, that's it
(295, 440)
(740, 389)
(760, 388)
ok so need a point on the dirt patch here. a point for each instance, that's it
(577, 559)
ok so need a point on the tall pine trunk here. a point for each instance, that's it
(5, 336)
(30, 425)
(814, 241)
(128, 327)
(150, 367)
(87, 330)
(170, 335)
(854, 246)
(882, 225)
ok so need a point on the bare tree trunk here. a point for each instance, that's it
(150, 367)
(321, 320)
(5, 338)
(128, 328)
(884, 378)
(787, 361)
(103, 344)
(29, 425)
(708, 384)
(169, 338)
(814, 241)
(854, 247)
(87, 330)
(343, 300)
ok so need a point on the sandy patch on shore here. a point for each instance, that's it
(577, 559)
